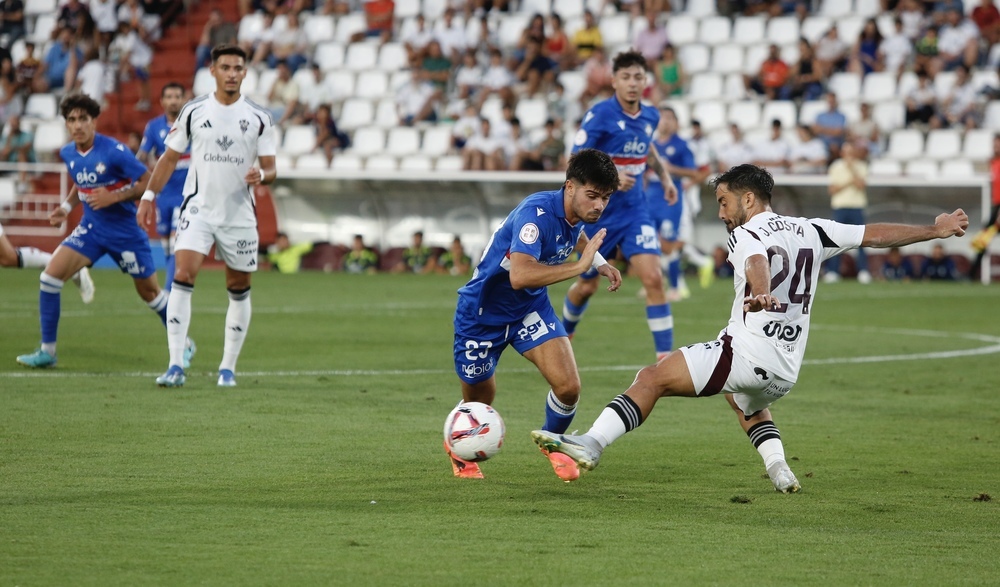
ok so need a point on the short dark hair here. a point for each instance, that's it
(172, 86)
(225, 49)
(594, 168)
(747, 178)
(628, 59)
(79, 101)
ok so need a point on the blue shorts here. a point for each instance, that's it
(478, 346)
(629, 228)
(131, 252)
(167, 212)
(666, 217)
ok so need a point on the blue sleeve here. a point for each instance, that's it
(527, 232)
(129, 166)
(148, 143)
(590, 135)
(687, 159)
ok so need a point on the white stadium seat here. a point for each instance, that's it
(694, 57)
(700, 8)
(510, 29)
(42, 106)
(368, 141)
(448, 163)
(905, 144)
(754, 57)
(329, 56)
(251, 26)
(957, 168)
(745, 114)
(50, 135)
(415, 163)
(944, 81)
(406, 9)
(836, 8)
(985, 79)
(319, 28)
(204, 83)
(714, 30)
(372, 84)
(943, 143)
(264, 82)
(386, 115)
(682, 29)
(783, 30)
(727, 59)
(885, 168)
(847, 86)
(357, 112)
(346, 162)
(392, 57)
(573, 83)
(348, 25)
(398, 80)
(921, 168)
(37, 7)
(342, 82)
(889, 115)
(532, 112)
(402, 141)
(437, 141)
(381, 163)
(878, 87)
(543, 7)
(808, 111)
(299, 140)
(683, 112)
(361, 57)
(783, 110)
(991, 118)
(433, 9)
(734, 87)
(705, 86)
(42, 31)
(568, 8)
(814, 27)
(867, 8)
(749, 30)
(312, 161)
(849, 28)
(712, 114)
(615, 29)
(978, 145)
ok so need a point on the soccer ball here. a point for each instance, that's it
(473, 432)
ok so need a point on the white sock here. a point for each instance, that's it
(237, 323)
(178, 320)
(159, 302)
(771, 451)
(619, 417)
(32, 257)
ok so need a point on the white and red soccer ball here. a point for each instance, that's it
(473, 431)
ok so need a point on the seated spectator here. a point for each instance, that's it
(804, 80)
(290, 45)
(497, 80)
(104, 13)
(587, 38)
(987, 19)
(483, 150)
(61, 62)
(773, 153)
(958, 43)
(810, 156)
(926, 52)
(91, 79)
(16, 143)
(134, 58)
(378, 21)
(217, 31)
(515, 147)
(360, 259)
(451, 35)
(322, 92)
(435, 68)
(465, 127)
(735, 152)
(75, 16)
(938, 267)
(258, 45)
(598, 72)
(670, 78)
(286, 258)
(415, 42)
(147, 26)
(921, 101)
(417, 258)
(958, 108)
(831, 53)
(896, 267)
(12, 20)
(864, 134)
(416, 101)
(771, 77)
(864, 53)
(831, 126)
(10, 102)
(895, 50)
(558, 46)
(283, 99)
(549, 154)
(537, 71)
(651, 40)
(555, 103)
(454, 261)
(468, 78)
(483, 40)
(29, 74)
(329, 138)
(912, 15)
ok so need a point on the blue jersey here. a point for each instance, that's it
(536, 227)
(111, 165)
(624, 137)
(153, 142)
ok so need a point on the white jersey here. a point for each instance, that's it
(796, 248)
(225, 142)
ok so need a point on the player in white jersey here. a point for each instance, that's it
(756, 359)
(227, 134)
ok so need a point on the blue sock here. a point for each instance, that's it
(661, 324)
(558, 416)
(171, 266)
(571, 315)
(49, 298)
(159, 305)
(674, 271)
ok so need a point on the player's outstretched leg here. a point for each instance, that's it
(583, 450)
(461, 468)
(764, 436)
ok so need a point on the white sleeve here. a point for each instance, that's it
(265, 142)
(742, 246)
(178, 138)
(837, 238)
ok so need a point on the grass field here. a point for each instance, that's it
(324, 467)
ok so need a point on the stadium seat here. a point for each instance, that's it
(978, 145)
(885, 168)
(714, 30)
(790, 53)
(749, 30)
(700, 8)
(878, 87)
(944, 81)
(41, 106)
(847, 86)
(356, 113)
(509, 32)
(808, 111)
(532, 112)
(783, 110)
(250, 81)
(204, 83)
(543, 7)
(299, 140)
(448, 163)
(924, 168)
(367, 141)
(849, 28)
(348, 25)
(304, 77)
(398, 80)
(734, 88)
(814, 27)
(754, 57)
(985, 78)
(991, 117)
(682, 29)
(381, 163)
(957, 168)
(329, 56)
(50, 136)
(42, 31)
(346, 162)
(386, 114)
(867, 8)
(392, 57)
(406, 9)
(745, 114)
(836, 8)
(403, 141)
(434, 9)
(727, 59)
(416, 163)
(905, 144)
(711, 113)
(361, 57)
(694, 57)
(615, 30)
(782, 30)
(705, 86)
(319, 28)
(264, 82)
(311, 161)
(907, 82)
(943, 143)
(8, 191)
(283, 162)
(567, 8)
(492, 109)
(372, 84)
(39, 7)
(342, 81)
(250, 27)
(683, 112)
(889, 115)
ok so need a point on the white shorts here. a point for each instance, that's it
(714, 367)
(235, 245)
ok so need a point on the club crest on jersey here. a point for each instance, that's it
(244, 125)
(225, 142)
(100, 167)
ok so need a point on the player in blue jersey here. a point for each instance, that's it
(168, 205)
(107, 179)
(622, 127)
(506, 302)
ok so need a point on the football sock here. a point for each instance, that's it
(620, 416)
(661, 324)
(32, 257)
(767, 440)
(237, 323)
(159, 305)
(178, 320)
(49, 296)
(572, 314)
(558, 416)
(674, 269)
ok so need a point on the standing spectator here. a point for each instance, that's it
(831, 53)
(598, 73)
(588, 38)
(774, 153)
(417, 258)
(848, 182)
(804, 80)
(938, 266)
(896, 49)
(61, 62)
(483, 150)
(283, 100)
(451, 35)
(771, 77)
(415, 42)
(290, 45)
(329, 138)
(921, 100)
(378, 21)
(217, 31)
(958, 108)
(651, 40)
(735, 152)
(987, 19)
(831, 126)
(360, 259)
(670, 77)
(959, 41)
(454, 261)
(864, 53)
(810, 155)
(896, 267)
(557, 44)
(497, 80)
(92, 76)
(104, 13)
(982, 240)
(12, 20)
(134, 59)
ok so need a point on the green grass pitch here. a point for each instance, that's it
(324, 467)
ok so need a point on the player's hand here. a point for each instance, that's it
(100, 198)
(253, 176)
(625, 182)
(953, 224)
(760, 302)
(670, 192)
(614, 276)
(593, 246)
(57, 216)
(146, 214)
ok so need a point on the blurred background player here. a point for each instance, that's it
(29, 257)
(168, 205)
(622, 127)
(454, 261)
(507, 303)
(286, 257)
(107, 178)
(982, 240)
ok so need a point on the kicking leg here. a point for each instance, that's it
(555, 361)
(766, 439)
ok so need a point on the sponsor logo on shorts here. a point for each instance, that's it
(478, 369)
(533, 327)
(647, 238)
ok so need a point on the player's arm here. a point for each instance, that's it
(659, 166)
(758, 272)
(265, 174)
(59, 215)
(146, 214)
(601, 264)
(526, 272)
(102, 198)
(897, 235)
